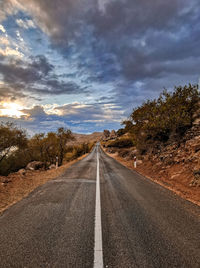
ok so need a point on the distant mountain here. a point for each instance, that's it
(81, 138)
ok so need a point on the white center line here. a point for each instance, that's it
(98, 249)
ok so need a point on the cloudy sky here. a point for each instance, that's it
(85, 64)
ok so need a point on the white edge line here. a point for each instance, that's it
(98, 249)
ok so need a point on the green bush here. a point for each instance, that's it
(121, 143)
(164, 119)
(78, 150)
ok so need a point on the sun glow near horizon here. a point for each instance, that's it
(11, 109)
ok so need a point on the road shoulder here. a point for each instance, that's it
(20, 186)
(185, 193)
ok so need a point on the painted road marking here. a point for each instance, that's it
(98, 249)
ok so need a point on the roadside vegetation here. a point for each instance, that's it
(165, 138)
(29, 162)
(121, 142)
(159, 122)
(163, 120)
(17, 149)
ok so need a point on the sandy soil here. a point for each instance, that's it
(176, 178)
(19, 186)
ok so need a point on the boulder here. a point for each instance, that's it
(139, 162)
(113, 134)
(196, 122)
(196, 179)
(52, 166)
(22, 171)
(106, 134)
(35, 165)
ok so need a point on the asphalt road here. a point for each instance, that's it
(143, 224)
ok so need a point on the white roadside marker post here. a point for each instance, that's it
(135, 161)
(56, 162)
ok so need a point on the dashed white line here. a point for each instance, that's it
(98, 248)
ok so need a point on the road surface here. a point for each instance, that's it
(99, 213)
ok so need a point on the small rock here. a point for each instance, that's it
(6, 181)
(22, 171)
(196, 180)
(175, 176)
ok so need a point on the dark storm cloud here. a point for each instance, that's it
(91, 112)
(19, 72)
(8, 93)
(132, 48)
(36, 111)
(131, 39)
(76, 116)
(37, 76)
(41, 64)
(76, 112)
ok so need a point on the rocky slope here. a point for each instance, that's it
(176, 166)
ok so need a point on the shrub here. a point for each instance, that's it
(76, 151)
(124, 153)
(13, 148)
(164, 119)
(121, 143)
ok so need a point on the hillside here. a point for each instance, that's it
(164, 136)
(85, 138)
(176, 166)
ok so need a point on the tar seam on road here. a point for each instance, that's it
(98, 249)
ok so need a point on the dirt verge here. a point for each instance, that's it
(17, 186)
(178, 183)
